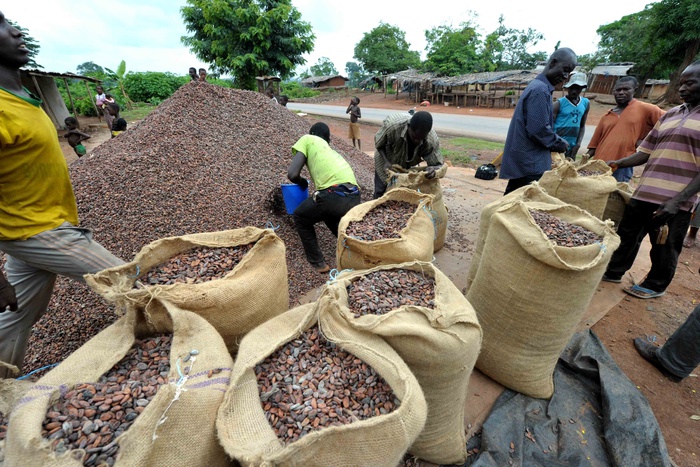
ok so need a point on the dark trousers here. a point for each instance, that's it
(681, 353)
(637, 221)
(328, 207)
(379, 186)
(515, 183)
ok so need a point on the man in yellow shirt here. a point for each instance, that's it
(336, 189)
(38, 214)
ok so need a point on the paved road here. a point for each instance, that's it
(488, 128)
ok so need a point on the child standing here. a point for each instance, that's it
(119, 124)
(75, 136)
(355, 115)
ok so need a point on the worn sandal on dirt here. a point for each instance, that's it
(641, 292)
(611, 279)
(322, 268)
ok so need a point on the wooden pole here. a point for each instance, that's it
(72, 104)
(94, 104)
(44, 104)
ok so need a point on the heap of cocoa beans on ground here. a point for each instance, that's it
(207, 159)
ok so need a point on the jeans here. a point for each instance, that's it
(329, 206)
(379, 186)
(624, 174)
(515, 183)
(32, 266)
(637, 222)
(681, 353)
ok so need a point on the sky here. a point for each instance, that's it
(146, 33)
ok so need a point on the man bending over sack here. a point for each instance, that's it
(336, 194)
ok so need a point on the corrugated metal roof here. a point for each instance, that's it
(61, 75)
(656, 81)
(612, 69)
(321, 79)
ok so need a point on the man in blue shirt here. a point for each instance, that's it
(531, 138)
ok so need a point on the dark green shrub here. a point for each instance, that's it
(152, 87)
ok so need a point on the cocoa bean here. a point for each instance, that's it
(563, 233)
(386, 220)
(380, 292)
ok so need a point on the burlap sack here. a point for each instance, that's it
(415, 242)
(531, 192)
(617, 202)
(11, 391)
(415, 179)
(440, 347)
(529, 294)
(587, 192)
(256, 290)
(248, 437)
(176, 428)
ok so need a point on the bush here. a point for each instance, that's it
(294, 90)
(84, 106)
(152, 87)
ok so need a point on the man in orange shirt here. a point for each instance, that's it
(624, 127)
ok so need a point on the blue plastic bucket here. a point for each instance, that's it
(293, 195)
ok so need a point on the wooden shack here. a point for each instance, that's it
(654, 89)
(602, 78)
(271, 82)
(327, 82)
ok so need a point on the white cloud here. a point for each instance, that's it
(146, 33)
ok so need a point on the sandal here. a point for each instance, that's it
(606, 278)
(641, 292)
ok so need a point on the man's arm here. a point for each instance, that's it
(538, 126)
(294, 171)
(7, 295)
(555, 109)
(581, 132)
(638, 158)
(670, 207)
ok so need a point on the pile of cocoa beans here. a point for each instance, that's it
(387, 220)
(3, 426)
(563, 233)
(92, 415)
(310, 384)
(588, 173)
(380, 292)
(198, 265)
(207, 159)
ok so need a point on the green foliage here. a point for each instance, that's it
(324, 67)
(453, 51)
(626, 40)
(31, 43)
(153, 87)
(509, 49)
(119, 76)
(90, 69)
(355, 74)
(294, 90)
(384, 50)
(247, 38)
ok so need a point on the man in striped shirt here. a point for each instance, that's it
(405, 140)
(662, 204)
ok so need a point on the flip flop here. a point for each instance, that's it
(641, 292)
(611, 279)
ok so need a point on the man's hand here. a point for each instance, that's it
(574, 151)
(613, 165)
(7, 296)
(665, 211)
(303, 183)
(430, 171)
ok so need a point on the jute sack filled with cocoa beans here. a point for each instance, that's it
(531, 192)
(297, 375)
(139, 417)
(617, 202)
(11, 391)
(530, 292)
(395, 228)
(586, 186)
(253, 289)
(415, 179)
(424, 317)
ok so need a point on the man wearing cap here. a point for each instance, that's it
(571, 112)
(624, 127)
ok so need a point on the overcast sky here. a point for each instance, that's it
(146, 33)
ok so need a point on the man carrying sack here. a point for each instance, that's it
(336, 186)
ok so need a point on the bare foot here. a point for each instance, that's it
(689, 242)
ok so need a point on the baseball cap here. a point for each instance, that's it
(579, 79)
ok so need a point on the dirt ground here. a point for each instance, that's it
(626, 317)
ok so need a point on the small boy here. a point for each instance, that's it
(283, 100)
(119, 124)
(75, 137)
(355, 115)
(193, 74)
(202, 74)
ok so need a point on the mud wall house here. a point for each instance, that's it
(602, 78)
(327, 82)
(43, 85)
(654, 89)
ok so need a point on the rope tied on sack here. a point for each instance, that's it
(191, 357)
(138, 273)
(37, 371)
(334, 273)
(433, 216)
(271, 226)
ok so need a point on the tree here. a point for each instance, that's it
(324, 67)
(247, 38)
(509, 49)
(355, 73)
(453, 51)
(89, 69)
(384, 50)
(119, 77)
(31, 43)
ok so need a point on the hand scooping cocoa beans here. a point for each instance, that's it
(310, 384)
(380, 292)
(92, 415)
(198, 265)
(562, 232)
(384, 221)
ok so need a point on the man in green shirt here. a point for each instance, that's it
(405, 140)
(336, 186)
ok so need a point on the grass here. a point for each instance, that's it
(463, 151)
(138, 111)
